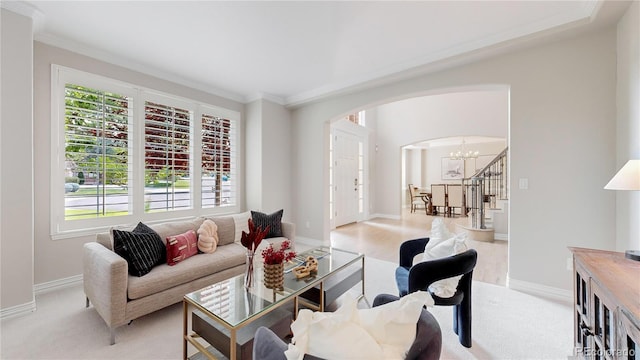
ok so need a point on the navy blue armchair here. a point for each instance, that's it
(410, 278)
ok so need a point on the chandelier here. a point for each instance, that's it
(463, 153)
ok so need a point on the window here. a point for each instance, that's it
(124, 154)
(218, 165)
(97, 161)
(360, 177)
(167, 153)
(357, 118)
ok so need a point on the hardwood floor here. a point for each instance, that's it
(381, 238)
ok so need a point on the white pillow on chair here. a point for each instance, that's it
(446, 288)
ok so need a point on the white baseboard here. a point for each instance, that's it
(57, 284)
(540, 290)
(385, 216)
(500, 236)
(27, 308)
(18, 310)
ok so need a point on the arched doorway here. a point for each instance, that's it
(483, 114)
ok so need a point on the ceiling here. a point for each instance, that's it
(290, 52)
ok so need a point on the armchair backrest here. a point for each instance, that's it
(423, 274)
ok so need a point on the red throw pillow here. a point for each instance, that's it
(180, 247)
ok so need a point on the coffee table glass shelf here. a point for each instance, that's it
(232, 306)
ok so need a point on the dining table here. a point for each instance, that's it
(425, 194)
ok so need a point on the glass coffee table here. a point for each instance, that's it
(223, 309)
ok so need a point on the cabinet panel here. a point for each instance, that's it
(582, 332)
(606, 305)
(603, 322)
(628, 338)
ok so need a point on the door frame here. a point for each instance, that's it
(362, 134)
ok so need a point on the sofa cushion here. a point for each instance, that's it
(181, 247)
(142, 251)
(163, 276)
(226, 228)
(274, 221)
(276, 242)
(176, 227)
(242, 224)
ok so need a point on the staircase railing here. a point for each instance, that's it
(486, 186)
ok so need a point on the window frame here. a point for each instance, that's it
(61, 228)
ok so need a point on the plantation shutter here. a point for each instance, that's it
(219, 177)
(167, 157)
(97, 135)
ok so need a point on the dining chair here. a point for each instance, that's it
(455, 199)
(439, 197)
(416, 199)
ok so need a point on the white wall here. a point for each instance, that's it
(253, 164)
(628, 125)
(16, 163)
(562, 139)
(436, 154)
(276, 159)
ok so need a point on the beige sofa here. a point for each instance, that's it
(119, 297)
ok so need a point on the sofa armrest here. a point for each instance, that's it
(289, 231)
(105, 278)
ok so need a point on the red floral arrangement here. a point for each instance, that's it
(252, 239)
(272, 256)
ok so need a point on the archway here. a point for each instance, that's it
(476, 112)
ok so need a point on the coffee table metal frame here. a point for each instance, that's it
(293, 288)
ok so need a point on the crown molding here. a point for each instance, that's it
(264, 96)
(454, 55)
(25, 9)
(87, 50)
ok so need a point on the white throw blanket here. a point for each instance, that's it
(383, 332)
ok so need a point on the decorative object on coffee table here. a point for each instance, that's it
(251, 241)
(274, 264)
(310, 267)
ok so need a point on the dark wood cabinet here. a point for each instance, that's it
(606, 305)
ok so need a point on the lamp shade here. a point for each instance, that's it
(627, 178)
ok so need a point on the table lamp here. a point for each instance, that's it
(627, 178)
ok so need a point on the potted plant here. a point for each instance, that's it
(274, 264)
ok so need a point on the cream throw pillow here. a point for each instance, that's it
(208, 237)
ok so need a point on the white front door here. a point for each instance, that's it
(347, 182)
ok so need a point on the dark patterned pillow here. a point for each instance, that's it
(274, 221)
(142, 228)
(141, 250)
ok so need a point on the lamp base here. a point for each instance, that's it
(632, 254)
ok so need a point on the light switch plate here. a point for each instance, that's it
(523, 184)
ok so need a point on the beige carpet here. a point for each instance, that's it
(506, 325)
